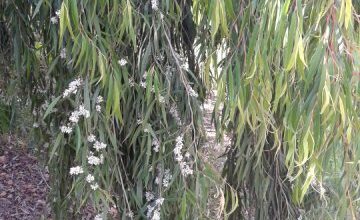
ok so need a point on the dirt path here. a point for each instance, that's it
(212, 151)
(23, 183)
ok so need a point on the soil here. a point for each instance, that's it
(212, 151)
(23, 183)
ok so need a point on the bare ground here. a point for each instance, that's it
(23, 183)
(212, 150)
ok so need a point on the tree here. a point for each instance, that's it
(291, 99)
(117, 87)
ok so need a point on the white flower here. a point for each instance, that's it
(156, 145)
(91, 138)
(74, 84)
(54, 20)
(72, 88)
(184, 167)
(178, 157)
(98, 217)
(192, 92)
(122, 62)
(76, 170)
(149, 196)
(157, 180)
(159, 201)
(90, 178)
(58, 13)
(99, 145)
(83, 111)
(179, 140)
(98, 108)
(67, 92)
(94, 186)
(130, 214)
(146, 129)
(150, 209)
(143, 84)
(154, 5)
(65, 129)
(74, 117)
(94, 160)
(161, 99)
(187, 155)
(167, 178)
(173, 111)
(178, 148)
(99, 99)
(156, 215)
(35, 125)
(63, 53)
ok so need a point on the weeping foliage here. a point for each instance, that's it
(140, 58)
(286, 72)
(290, 87)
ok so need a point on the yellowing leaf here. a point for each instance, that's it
(326, 98)
(342, 110)
(347, 18)
(294, 54)
(301, 51)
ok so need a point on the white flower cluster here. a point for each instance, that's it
(130, 214)
(178, 147)
(153, 211)
(167, 178)
(98, 217)
(99, 100)
(149, 196)
(91, 138)
(99, 146)
(74, 118)
(122, 62)
(161, 99)
(63, 53)
(185, 168)
(90, 178)
(55, 19)
(72, 88)
(94, 160)
(76, 170)
(143, 84)
(65, 129)
(143, 80)
(191, 91)
(75, 115)
(175, 114)
(154, 5)
(94, 186)
(156, 145)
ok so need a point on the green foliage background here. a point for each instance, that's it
(286, 72)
